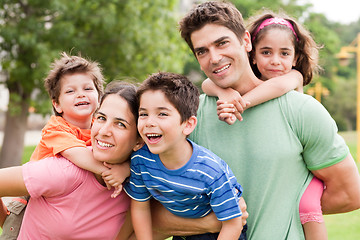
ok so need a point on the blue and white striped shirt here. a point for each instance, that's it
(203, 184)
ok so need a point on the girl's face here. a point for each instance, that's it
(114, 134)
(275, 53)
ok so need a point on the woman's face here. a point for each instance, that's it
(114, 133)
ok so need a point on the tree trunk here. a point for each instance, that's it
(14, 134)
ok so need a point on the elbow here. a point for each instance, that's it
(356, 202)
(340, 201)
(283, 89)
(352, 201)
(278, 88)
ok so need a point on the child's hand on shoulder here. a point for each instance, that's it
(230, 106)
(117, 191)
(116, 175)
(226, 112)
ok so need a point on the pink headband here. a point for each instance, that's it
(274, 20)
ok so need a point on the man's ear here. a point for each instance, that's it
(190, 125)
(57, 106)
(139, 144)
(247, 41)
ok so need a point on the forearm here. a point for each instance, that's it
(342, 187)
(168, 224)
(231, 229)
(12, 182)
(83, 158)
(141, 219)
(211, 89)
(273, 88)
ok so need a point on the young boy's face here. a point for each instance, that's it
(78, 98)
(159, 122)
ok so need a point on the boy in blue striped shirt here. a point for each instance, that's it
(189, 180)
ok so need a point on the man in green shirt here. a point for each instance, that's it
(278, 147)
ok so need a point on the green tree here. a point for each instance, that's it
(342, 104)
(329, 36)
(340, 80)
(129, 38)
(252, 7)
(23, 59)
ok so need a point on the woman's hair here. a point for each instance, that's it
(70, 65)
(125, 90)
(306, 50)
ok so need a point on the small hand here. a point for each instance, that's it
(243, 208)
(116, 174)
(227, 112)
(117, 191)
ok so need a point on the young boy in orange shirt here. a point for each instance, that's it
(75, 86)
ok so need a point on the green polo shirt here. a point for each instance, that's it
(271, 152)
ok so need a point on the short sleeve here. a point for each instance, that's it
(135, 187)
(224, 199)
(318, 133)
(60, 139)
(51, 177)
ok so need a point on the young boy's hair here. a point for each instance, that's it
(178, 89)
(220, 13)
(69, 65)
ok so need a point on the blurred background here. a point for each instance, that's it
(132, 39)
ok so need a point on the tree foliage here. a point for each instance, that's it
(342, 104)
(330, 36)
(342, 81)
(24, 54)
(132, 39)
(128, 38)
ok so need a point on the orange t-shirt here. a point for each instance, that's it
(59, 135)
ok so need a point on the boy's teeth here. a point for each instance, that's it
(153, 135)
(82, 103)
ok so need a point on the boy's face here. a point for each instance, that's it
(221, 55)
(78, 98)
(159, 123)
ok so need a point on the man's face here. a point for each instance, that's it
(221, 55)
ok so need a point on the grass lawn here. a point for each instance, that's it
(344, 226)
